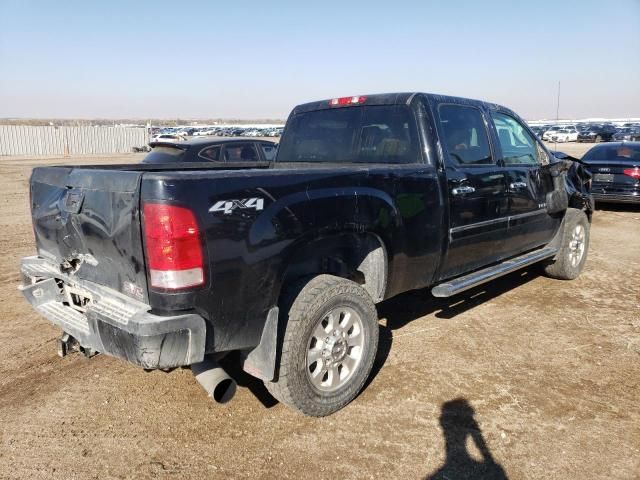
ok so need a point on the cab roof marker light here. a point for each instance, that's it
(355, 100)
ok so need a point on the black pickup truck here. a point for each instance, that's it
(169, 265)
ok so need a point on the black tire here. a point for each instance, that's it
(565, 266)
(309, 309)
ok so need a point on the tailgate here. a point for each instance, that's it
(87, 221)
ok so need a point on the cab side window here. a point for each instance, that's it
(465, 135)
(517, 144)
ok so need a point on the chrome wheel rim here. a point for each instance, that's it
(335, 349)
(576, 245)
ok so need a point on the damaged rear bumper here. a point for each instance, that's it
(110, 322)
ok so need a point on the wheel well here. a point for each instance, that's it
(580, 202)
(360, 257)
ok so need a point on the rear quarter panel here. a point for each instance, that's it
(248, 249)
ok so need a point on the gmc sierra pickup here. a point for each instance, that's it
(168, 265)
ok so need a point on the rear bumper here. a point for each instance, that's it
(111, 322)
(616, 198)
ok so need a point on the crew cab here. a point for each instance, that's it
(177, 264)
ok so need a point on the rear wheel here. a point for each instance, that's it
(329, 346)
(571, 257)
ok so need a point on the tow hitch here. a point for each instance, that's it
(67, 344)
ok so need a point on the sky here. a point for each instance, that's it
(249, 60)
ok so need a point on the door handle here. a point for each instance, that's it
(517, 185)
(462, 190)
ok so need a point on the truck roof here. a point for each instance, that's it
(402, 98)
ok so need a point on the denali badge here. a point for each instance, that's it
(228, 206)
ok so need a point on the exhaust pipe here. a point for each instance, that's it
(215, 381)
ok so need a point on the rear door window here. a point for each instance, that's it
(465, 135)
(241, 152)
(367, 134)
(211, 154)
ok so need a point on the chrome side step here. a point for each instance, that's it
(460, 284)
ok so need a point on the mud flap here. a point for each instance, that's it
(261, 361)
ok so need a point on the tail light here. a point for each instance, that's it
(173, 247)
(632, 172)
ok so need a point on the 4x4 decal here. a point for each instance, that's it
(228, 206)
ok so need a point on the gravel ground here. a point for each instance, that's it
(527, 377)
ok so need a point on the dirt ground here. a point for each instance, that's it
(525, 378)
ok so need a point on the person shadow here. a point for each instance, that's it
(458, 425)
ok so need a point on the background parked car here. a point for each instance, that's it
(616, 172)
(166, 138)
(538, 131)
(212, 150)
(597, 134)
(186, 132)
(547, 134)
(629, 134)
(565, 135)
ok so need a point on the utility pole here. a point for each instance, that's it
(557, 112)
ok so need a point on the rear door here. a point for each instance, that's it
(87, 222)
(528, 183)
(476, 189)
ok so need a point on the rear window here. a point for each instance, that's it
(613, 152)
(164, 155)
(369, 134)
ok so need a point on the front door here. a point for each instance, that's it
(528, 183)
(478, 208)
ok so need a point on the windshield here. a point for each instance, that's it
(372, 134)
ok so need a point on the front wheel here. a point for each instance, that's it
(574, 246)
(329, 346)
